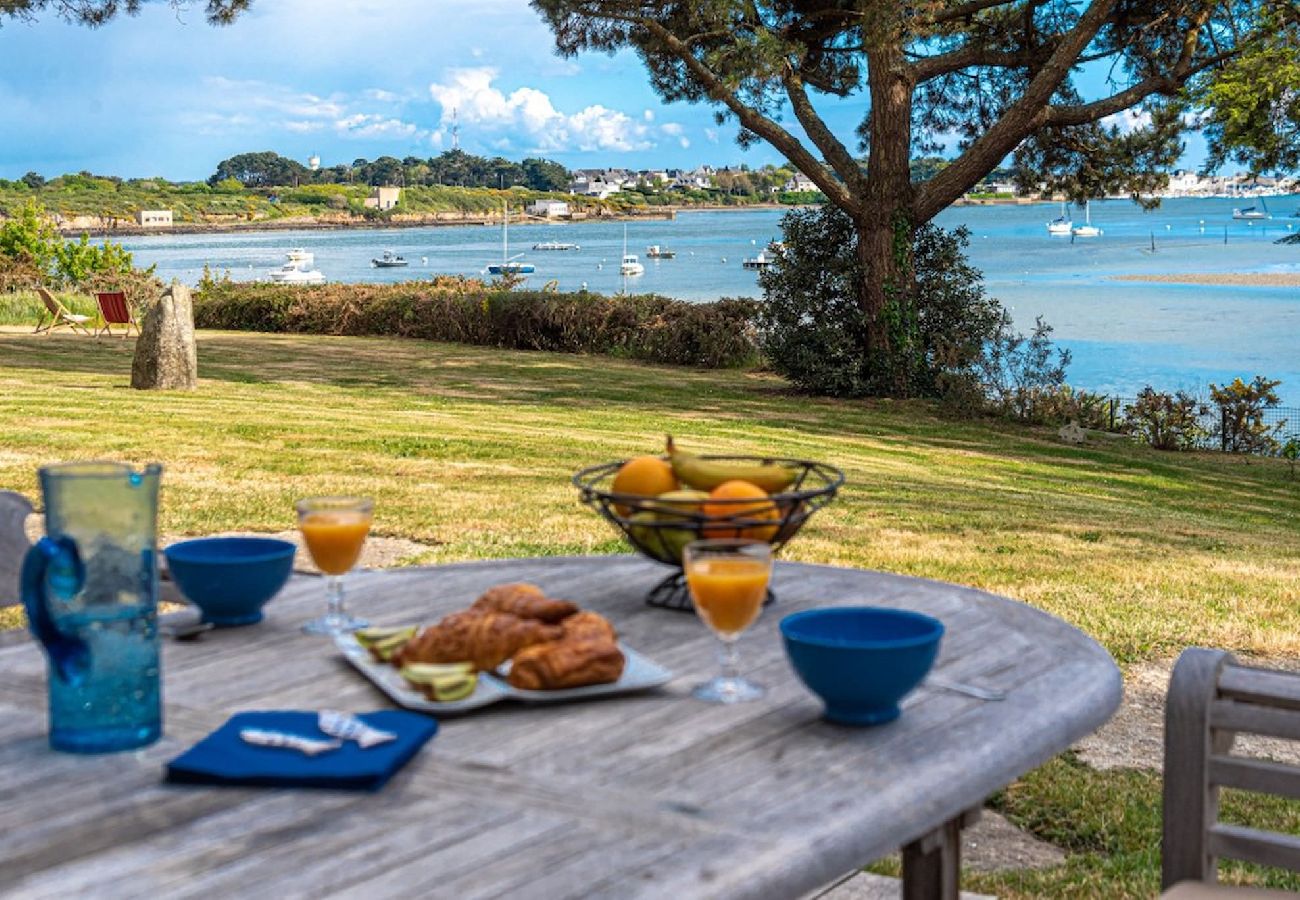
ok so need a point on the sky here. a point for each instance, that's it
(165, 94)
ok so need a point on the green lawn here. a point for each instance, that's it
(470, 450)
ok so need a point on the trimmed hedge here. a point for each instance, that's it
(647, 327)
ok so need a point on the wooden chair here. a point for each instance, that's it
(114, 310)
(1212, 699)
(14, 510)
(58, 315)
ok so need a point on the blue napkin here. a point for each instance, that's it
(222, 758)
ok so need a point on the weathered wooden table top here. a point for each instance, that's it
(654, 794)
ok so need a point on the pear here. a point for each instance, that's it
(443, 683)
(685, 503)
(384, 648)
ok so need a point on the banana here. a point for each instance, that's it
(706, 474)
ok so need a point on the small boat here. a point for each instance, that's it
(300, 256)
(1061, 225)
(760, 262)
(654, 251)
(556, 245)
(389, 260)
(289, 273)
(1251, 213)
(509, 265)
(1087, 229)
(630, 265)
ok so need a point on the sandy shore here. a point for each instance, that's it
(1232, 279)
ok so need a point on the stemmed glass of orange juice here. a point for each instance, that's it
(335, 530)
(728, 582)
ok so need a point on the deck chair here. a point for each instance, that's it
(14, 510)
(114, 310)
(1212, 699)
(58, 315)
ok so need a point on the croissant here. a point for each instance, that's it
(588, 625)
(527, 601)
(566, 664)
(486, 639)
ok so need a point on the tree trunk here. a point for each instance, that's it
(884, 227)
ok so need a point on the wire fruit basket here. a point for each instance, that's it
(661, 529)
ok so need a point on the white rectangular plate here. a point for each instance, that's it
(639, 673)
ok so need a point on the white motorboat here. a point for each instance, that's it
(1087, 229)
(1061, 225)
(290, 273)
(630, 265)
(300, 257)
(556, 245)
(654, 251)
(1251, 213)
(389, 260)
(509, 265)
(760, 262)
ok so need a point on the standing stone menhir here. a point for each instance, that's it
(165, 355)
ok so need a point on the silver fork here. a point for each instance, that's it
(970, 690)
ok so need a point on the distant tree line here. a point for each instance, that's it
(454, 167)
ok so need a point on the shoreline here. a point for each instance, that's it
(1220, 279)
(431, 220)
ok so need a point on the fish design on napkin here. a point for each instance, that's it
(260, 737)
(347, 727)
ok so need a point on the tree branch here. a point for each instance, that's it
(1020, 120)
(968, 55)
(752, 119)
(835, 153)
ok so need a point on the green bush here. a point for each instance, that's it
(813, 326)
(647, 327)
(1167, 421)
(1241, 427)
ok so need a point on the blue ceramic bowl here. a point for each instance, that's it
(861, 660)
(230, 579)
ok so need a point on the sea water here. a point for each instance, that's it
(1123, 335)
(116, 704)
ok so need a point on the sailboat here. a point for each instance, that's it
(1087, 229)
(1251, 214)
(509, 265)
(1061, 224)
(630, 264)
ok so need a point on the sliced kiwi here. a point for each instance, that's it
(368, 637)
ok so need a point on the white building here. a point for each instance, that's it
(154, 218)
(384, 198)
(800, 182)
(551, 209)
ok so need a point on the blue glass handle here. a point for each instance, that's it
(69, 654)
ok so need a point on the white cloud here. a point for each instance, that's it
(367, 125)
(527, 119)
(1128, 120)
(711, 134)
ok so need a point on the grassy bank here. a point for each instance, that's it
(470, 450)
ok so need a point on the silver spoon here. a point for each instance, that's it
(970, 690)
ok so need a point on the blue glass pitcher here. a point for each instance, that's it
(90, 587)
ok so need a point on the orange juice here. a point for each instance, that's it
(728, 592)
(335, 538)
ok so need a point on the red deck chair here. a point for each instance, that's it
(114, 310)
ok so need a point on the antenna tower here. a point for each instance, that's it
(455, 131)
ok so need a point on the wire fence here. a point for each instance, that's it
(1283, 422)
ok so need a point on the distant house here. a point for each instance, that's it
(384, 198)
(551, 209)
(154, 218)
(799, 182)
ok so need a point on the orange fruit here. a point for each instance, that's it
(643, 476)
(761, 508)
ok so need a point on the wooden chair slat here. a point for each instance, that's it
(1260, 775)
(1266, 848)
(1255, 718)
(1273, 688)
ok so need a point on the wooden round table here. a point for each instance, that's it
(647, 795)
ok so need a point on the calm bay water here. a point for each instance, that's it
(1123, 334)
